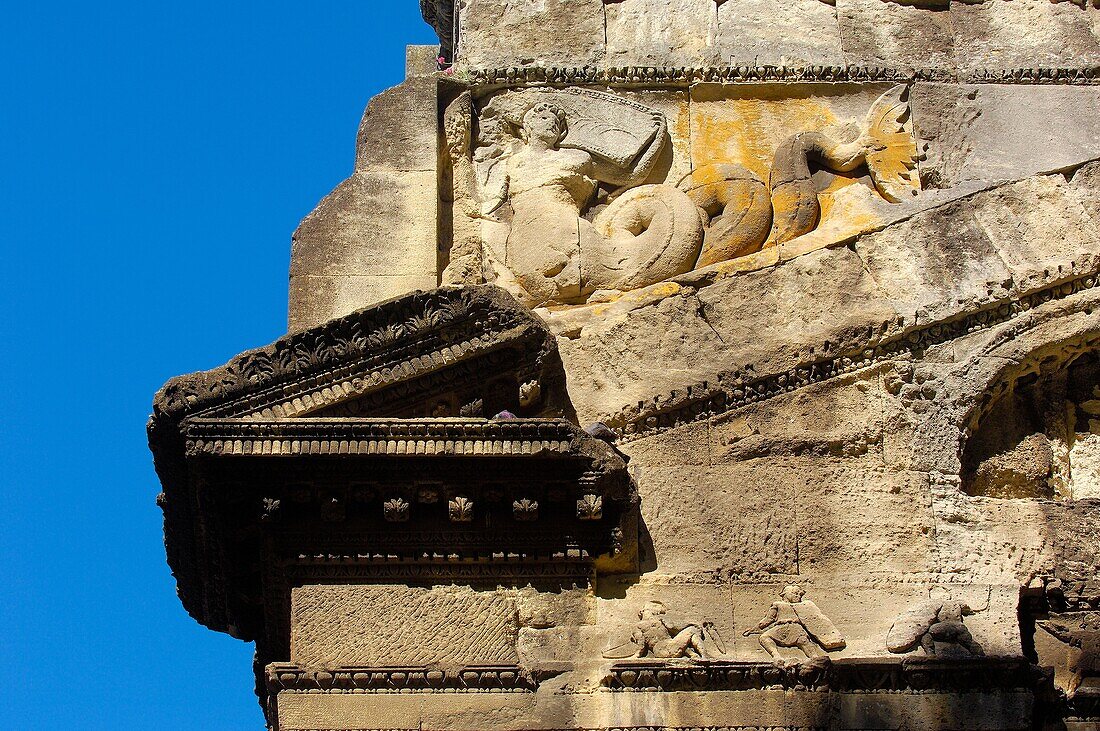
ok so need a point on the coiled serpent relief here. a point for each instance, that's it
(551, 158)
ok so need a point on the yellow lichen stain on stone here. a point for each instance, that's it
(665, 289)
(746, 129)
(682, 125)
(846, 213)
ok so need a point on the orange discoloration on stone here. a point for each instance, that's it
(746, 127)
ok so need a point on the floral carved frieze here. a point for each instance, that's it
(285, 677)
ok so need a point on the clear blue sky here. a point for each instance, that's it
(154, 160)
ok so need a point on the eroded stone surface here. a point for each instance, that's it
(516, 32)
(657, 32)
(399, 625)
(758, 32)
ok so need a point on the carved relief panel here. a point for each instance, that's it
(574, 196)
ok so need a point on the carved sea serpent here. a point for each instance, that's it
(653, 232)
(745, 214)
(796, 209)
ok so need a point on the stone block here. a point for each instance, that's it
(421, 60)
(1037, 227)
(795, 33)
(661, 33)
(935, 260)
(761, 319)
(389, 625)
(315, 300)
(1085, 188)
(694, 532)
(993, 132)
(399, 129)
(1012, 34)
(339, 711)
(990, 540)
(861, 519)
(380, 225)
(690, 710)
(504, 33)
(1003, 710)
(877, 33)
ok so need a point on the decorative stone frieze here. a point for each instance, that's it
(885, 675)
(686, 76)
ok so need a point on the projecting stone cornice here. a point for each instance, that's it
(341, 451)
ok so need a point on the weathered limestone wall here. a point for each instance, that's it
(958, 38)
(374, 236)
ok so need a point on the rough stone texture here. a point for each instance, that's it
(986, 132)
(889, 34)
(344, 255)
(798, 33)
(399, 625)
(957, 37)
(659, 32)
(894, 415)
(1023, 34)
(518, 32)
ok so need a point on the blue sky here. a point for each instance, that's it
(154, 160)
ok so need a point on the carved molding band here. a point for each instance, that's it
(685, 76)
(379, 436)
(366, 351)
(472, 679)
(734, 389)
(886, 675)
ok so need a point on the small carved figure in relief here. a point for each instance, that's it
(794, 621)
(646, 235)
(657, 636)
(938, 620)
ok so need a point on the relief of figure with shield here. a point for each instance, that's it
(567, 190)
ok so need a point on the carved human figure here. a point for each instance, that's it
(657, 636)
(794, 621)
(645, 235)
(532, 157)
(940, 619)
